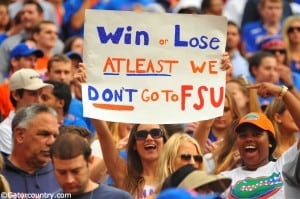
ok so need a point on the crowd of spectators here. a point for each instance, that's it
(48, 146)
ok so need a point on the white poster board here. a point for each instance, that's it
(153, 68)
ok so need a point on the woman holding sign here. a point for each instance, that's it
(139, 175)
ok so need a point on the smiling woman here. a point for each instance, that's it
(256, 144)
(145, 144)
(291, 37)
(181, 149)
(260, 128)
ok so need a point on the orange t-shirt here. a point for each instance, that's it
(5, 103)
(41, 66)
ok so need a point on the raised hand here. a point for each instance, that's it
(80, 74)
(266, 89)
(226, 64)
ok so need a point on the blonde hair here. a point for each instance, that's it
(4, 185)
(169, 154)
(224, 154)
(278, 106)
(287, 23)
(114, 129)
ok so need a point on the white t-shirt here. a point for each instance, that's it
(6, 134)
(96, 149)
(291, 176)
(209, 162)
(265, 182)
(147, 191)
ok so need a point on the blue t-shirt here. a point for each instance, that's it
(126, 5)
(296, 80)
(123, 154)
(76, 109)
(294, 67)
(75, 121)
(3, 36)
(212, 137)
(102, 191)
(253, 33)
(71, 7)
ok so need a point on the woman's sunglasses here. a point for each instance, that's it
(143, 134)
(274, 51)
(292, 29)
(188, 157)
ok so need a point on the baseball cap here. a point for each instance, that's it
(271, 41)
(191, 178)
(180, 193)
(74, 55)
(27, 79)
(23, 50)
(257, 119)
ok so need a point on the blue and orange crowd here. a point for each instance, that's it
(50, 150)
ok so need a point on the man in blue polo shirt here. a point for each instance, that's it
(254, 32)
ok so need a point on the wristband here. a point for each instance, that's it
(283, 91)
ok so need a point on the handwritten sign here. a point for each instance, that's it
(153, 68)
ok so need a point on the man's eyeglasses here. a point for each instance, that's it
(292, 29)
(188, 157)
(274, 51)
(143, 134)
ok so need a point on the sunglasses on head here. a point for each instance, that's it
(274, 51)
(188, 157)
(292, 29)
(143, 134)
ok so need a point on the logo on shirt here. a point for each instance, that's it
(262, 187)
